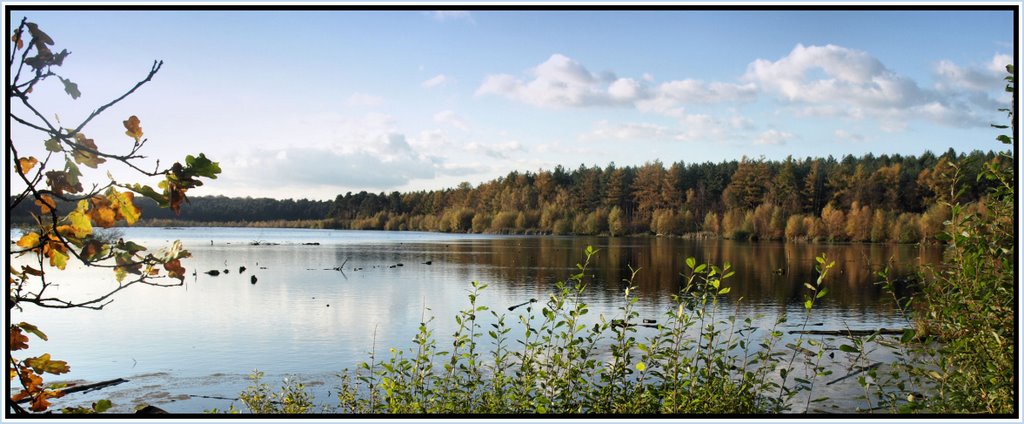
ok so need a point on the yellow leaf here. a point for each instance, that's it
(29, 240)
(101, 212)
(26, 164)
(58, 259)
(46, 204)
(123, 204)
(134, 130)
(43, 363)
(81, 226)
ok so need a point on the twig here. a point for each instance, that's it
(859, 370)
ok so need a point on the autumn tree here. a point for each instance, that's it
(647, 189)
(748, 186)
(56, 237)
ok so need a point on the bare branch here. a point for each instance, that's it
(152, 71)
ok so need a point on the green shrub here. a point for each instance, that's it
(559, 360)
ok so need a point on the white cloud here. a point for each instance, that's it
(564, 82)
(986, 79)
(603, 130)
(437, 81)
(835, 81)
(500, 150)
(624, 89)
(452, 15)
(696, 91)
(558, 82)
(773, 137)
(340, 153)
(846, 135)
(851, 76)
(364, 100)
(692, 127)
(449, 117)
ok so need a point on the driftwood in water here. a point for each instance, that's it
(85, 387)
(513, 307)
(880, 331)
(858, 371)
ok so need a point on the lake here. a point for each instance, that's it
(184, 348)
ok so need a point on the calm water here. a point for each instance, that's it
(305, 319)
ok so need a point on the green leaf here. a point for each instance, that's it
(102, 405)
(148, 192)
(71, 88)
(32, 329)
(808, 304)
(907, 336)
(691, 262)
(822, 293)
(849, 349)
(53, 145)
(202, 166)
(724, 290)
(43, 364)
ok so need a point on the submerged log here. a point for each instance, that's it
(880, 331)
(85, 387)
(858, 371)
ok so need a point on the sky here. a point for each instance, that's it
(296, 104)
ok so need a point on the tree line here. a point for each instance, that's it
(868, 198)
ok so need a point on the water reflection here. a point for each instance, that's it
(767, 273)
(303, 316)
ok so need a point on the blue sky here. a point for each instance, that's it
(314, 104)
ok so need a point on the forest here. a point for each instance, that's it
(886, 198)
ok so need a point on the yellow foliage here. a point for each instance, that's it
(29, 240)
(81, 225)
(46, 204)
(26, 164)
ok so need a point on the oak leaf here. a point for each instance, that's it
(43, 363)
(17, 340)
(26, 164)
(123, 204)
(134, 130)
(101, 212)
(29, 240)
(85, 152)
(32, 329)
(81, 226)
(52, 145)
(69, 87)
(175, 270)
(46, 203)
(60, 182)
(93, 249)
(57, 258)
(16, 38)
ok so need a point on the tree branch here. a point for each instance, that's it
(152, 71)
